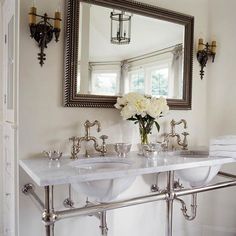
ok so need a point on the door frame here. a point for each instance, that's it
(10, 120)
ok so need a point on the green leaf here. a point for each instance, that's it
(158, 126)
(132, 119)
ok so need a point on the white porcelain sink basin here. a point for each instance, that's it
(107, 189)
(198, 176)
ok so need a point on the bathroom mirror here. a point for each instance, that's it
(115, 47)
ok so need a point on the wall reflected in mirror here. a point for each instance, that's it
(150, 62)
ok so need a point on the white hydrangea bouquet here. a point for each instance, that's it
(144, 110)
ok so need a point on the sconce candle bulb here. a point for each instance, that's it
(204, 52)
(32, 15)
(200, 45)
(57, 21)
(213, 46)
(43, 31)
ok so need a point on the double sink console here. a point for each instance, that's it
(103, 177)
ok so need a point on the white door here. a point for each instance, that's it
(9, 133)
(9, 193)
(8, 60)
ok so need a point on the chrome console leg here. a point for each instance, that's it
(103, 226)
(52, 232)
(169, 202)
(52, 209)
(46, 214)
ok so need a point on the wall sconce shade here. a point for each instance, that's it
(43, 31)
(204, 52)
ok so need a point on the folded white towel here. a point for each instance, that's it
(223, 147)
(222, 154)
(226, 140)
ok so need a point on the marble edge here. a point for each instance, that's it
(136, 171)
(31, 174)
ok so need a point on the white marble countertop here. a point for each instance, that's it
(45, 172)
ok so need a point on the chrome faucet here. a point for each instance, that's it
(88, 125)
(172, 134)
(76, 146)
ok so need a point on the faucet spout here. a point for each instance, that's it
(88, 125)
(77, 141)
(182, 121)
(172, 134)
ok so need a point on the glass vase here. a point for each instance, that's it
(143, 135)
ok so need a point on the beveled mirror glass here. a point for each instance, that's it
(114, 47)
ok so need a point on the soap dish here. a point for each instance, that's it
(122, 149)
(150, 153)
(152, 150)
(53, 155)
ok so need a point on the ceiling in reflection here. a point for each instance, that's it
(147, 35)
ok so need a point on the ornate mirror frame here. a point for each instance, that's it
(72, 99)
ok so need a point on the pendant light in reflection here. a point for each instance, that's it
(120, 27)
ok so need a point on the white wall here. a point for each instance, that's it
(221, 99)
(45, 124)
(222, 80)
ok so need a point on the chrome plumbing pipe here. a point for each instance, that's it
(50, 217)
(183, 192)
(28, 189)
(169, 202)
(137, 200)
(52, 208)
(102, 216)
(103, 221)
(90, 210)
(37, 200)
(68, 202)
(46, 214)
(226, 175)
(193, 207)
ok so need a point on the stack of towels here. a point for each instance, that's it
(224, 146)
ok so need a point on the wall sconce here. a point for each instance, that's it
(204, 51)
(43, 30)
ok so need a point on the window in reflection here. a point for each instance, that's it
(155, 78)
(160, 80)
(136, 81)
(104, 83)
(157, 73)
(151, 79)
